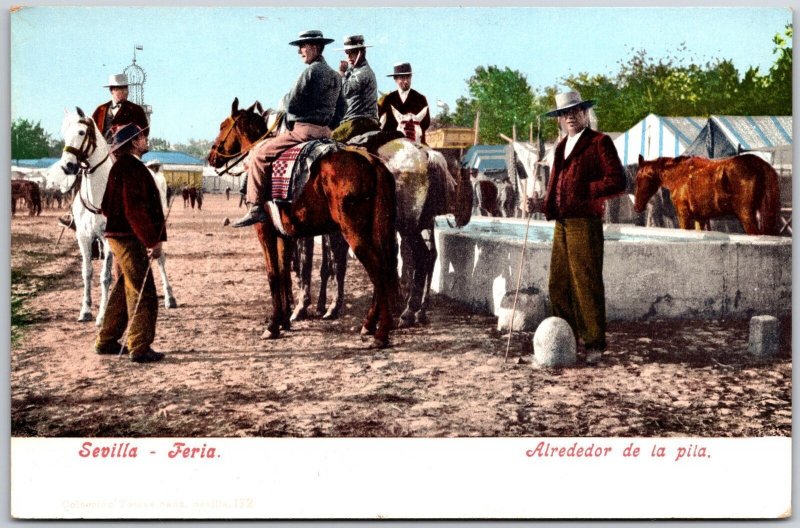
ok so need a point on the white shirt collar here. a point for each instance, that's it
(571, 141)
(403, 94)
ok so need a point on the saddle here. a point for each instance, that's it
(292, 169)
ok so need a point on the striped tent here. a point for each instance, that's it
(657, 136)
(725, 136)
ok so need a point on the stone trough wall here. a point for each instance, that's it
(654, 273)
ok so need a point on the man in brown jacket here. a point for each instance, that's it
(586, 171)
(135, 229)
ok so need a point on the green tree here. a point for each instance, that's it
(504, 99)
(55, 148)
(198, 148)
(28, 140)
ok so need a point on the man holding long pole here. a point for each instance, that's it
(135, 229)
(586, 172)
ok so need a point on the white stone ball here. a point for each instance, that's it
(554, 343)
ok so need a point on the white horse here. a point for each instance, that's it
(425, 189)
(85, 164)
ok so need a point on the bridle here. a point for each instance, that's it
(87, 148)
(242, 152)
(82, 154)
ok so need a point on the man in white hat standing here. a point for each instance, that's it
(310, 108)
(405, 100)
(586, 171)
(113, 115)
(358, 102)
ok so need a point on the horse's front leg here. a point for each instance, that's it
(286, 248)
(338, 263)
(269, 246)
(86, 273)
(169, 298)
(304, 255)
(105, 282)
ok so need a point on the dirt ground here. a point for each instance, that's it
(447, 379)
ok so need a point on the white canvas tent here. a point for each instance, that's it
(657, 136)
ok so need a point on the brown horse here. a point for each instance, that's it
(701, 189)
(347, 191)
(28, 191)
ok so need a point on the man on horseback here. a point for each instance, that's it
(112, 115)
(586, 171)
(358, 102)
(135, 230)
(310, 108)
(405, 100)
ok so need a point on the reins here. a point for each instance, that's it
(244, 152)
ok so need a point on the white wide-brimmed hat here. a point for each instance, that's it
(353, 42)
(567, 100)
(312, 36)
(117, 79)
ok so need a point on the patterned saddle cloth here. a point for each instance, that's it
(292, 169)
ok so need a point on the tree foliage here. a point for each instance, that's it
(157, 143)
(198, 148)
(28, 140)
(643, 85)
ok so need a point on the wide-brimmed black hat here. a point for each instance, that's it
(567, 100)
(125, 134)
(401, 68)
(312, 36)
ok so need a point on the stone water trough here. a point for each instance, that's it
(648, 272)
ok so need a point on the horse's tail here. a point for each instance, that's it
(769, 208)
(384, 225)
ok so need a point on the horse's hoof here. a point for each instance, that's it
(378, 343)
(170, 303)
(331, 314)
(98, 322)
(405, 323)
(270, 334)
(85, 317)
(299, 314)
(366, 331)
(422, 318)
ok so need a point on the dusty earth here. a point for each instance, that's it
(447, 379)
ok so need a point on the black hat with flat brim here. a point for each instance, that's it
(401, 68)
(311, 36)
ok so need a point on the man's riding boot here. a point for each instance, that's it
(67, 221)
(255, 215)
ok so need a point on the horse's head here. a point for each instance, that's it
(81, 142)
(648, 181)
(410, 124)
(237, 133)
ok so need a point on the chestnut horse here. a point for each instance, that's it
(347, 191)
(701, 189)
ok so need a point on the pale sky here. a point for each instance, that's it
(198, 59)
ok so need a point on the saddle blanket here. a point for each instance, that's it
(282, 170)
(292, 169)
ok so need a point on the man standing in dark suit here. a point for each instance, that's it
(586, 171)
(405, 100)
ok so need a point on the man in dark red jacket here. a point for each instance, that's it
(135, 229)
(586, 171)
(119, 111)
(112, 115)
